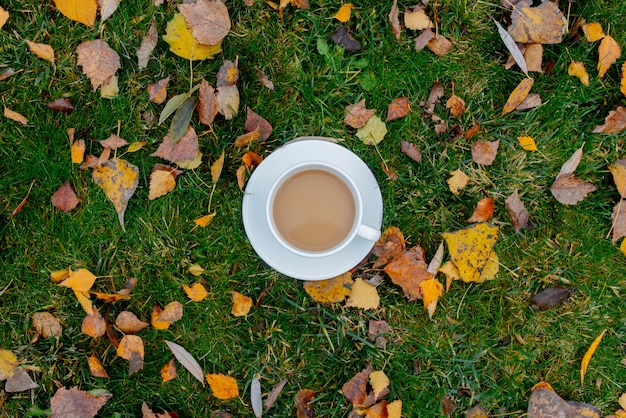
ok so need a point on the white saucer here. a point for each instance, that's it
(255, 217)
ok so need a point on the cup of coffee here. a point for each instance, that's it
(312, 209)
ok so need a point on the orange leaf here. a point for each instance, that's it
(250, 159)
(518, 95)
(623, 83)
(484, 210)
(78, 151)
(42, 51)
(168, 372)
(216, 168)
(4, 16)
(130, 344)
(118, 179)
(205, 220)
(128, 323)
(163, 318)
(431, 291)
(241, 304)
(196, 292)
(343, 15)
(456, 105)
(577, 69)
(330, 291)
(593, 31)
(83, 11)
(587, 357)
(408, 270)
(608, 53)
(158, 90)
(304, 409)
(223, 387)
(363, 295)
(60, 275)
(96, 368)
(398, 108)
(94, 325)
(85, 302)
(80, 280)
(110, 297)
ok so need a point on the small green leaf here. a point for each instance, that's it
(182, 117)
(322, 48)
(373, 131)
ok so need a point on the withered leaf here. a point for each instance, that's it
(408, 270)
(168, 371)
(363, 295)
(148, 44)
(146, 412)
(304, 409)
(113, 142)
(472, 131)
(256, 397)
(569, 189)
(608, 52)
(207, 106)
(187, 360)
(436, 93)
(222, 386)
(355, 389)
(544, 403)
(422, 40)
(484, 211)
(251, 159)
(98, 60)
(619, 220)
(64, 198)
(415, 18)
(128, 323)
(255, 122)
(75, 403)
(246, 139)
(533, 54)
(185, 149)
(274, 393)
(551, 297)
(439, 44)
(241, 176)
(411, 150)
(118, 179)
(518, 95)
(543, 24)
(517, 211)
(357, 115)
(228, 100)
(530, 102)
(182, 118)
(484, 152)
(94, 324)
(63, 105)
(131, 348)
(19, 382)
(332, 290)
(456, 105)
(158, 91)
(42, 51)
(394, 20)
(614, 122)
(46, 325)
(209, 21)
(514, 49)
(398, 108)
(263, 79)
(389, 246)
(343, 38)
(447, 405)
(376, 332)
(17, 117)
(163, 318)
(96, 368)
(618, 170)
(228, 74)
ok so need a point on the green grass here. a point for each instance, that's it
(485, 345)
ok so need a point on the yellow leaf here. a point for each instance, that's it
(620, 413)
(458, 181)
(161, 183)
(183, 44)
(379, 382)
(543, 24)
(527, 143)
(450, 272)
(431, 291)
(518, 95)
(491, 268)
(195, 269)
(416, 20)
(85, 302)
(241, 304)
(94, 324)
(4, 16)
(587, 357)
(78, 151)
(394, 409)
(168, 372)
(470, 249)
(622, 400)
(593, 31)
(96, 368)
(577, 69)
(130, 344)
(191, 164)
(618, 169)
(330, 291)
(136, 146)
(205, 220)
(223, 387)
(15, 116)
(43, 51)
(622, 247)
(118, 179)
(363, 295)
(373, 131)
(623, 83)
(343, 15)
(216, 168)
(60, 275)
(163, 318)
(196, 292)
(80, 280)
(83, 11)
(8, 364)
(608, 53)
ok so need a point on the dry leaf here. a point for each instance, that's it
(484, 211)
(363, 295)
(8, 364)
(187, 360)
(608, 53)
(304, 409)
(587, 357)
(263, 79)
(42, 51)
(241, 304)
(255, 397)
(251, 159)
(379, 383)
(389, 246)
(75, 403)
(83, 11)
(223, 387)
(80, 280)
(431, 291)
(228, 99)
(544, 24)
(182, 42)
(439, 45)
(343, 15)
(458, 181)
(78, 151)
(146, 412)
(118, 179)
(398, 108)
(98, 60)
(394, 20)
(255, 122)
(273, 395)
(408, 270)
(456, 105)
(247, 138)
(376, 332)
(485, 152)
(162, 181)
(9, 71)
(550, 297)
(619, 220)
(593, 31)
(614, 122)
(163, 318)
(205, 220)
(19, 382)
(128, 323)
(64, 198)
(333, 290)
(470, 249)
(355, 390)
(416, 19)
(373, 131)
(196, 292)
(63, 105)
(185, 149)
(577, 69)
(518, 95)
(472, 131)
(342, 37)
(207, 106)
(107, 8)
(618, 170)
(148, 43)
(517, 55)
(533, 55)
(131, 349)
(357, 115)
(158, 90)
(569, 189)
(517, 211)
(422, 40)
(527, 143)
(96, 368)
(530, 102)
(209, 21)
(110, 88)
(94, 324)
(411, 150)
(228, 74)
(46, 325)
(4, 16)
(8, 113)
(85, 302)
(168, 372)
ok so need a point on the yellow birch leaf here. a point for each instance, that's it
(130, 344)
(168, 372)
(163, 318)
(587, 357)
(623, 83)
(527, 143)
(85, 301)
(223, 387)
(458, 181)
(42, 51)
(80, 280)
(343, 15)
(205, 220)
(196, 269)
(622, 400)
(216, 168)
(491, 268)
(432, 289)
(608, 53)
(470, 249)
(622, 247)
(60, 275)
(17, 117)
(96, 368)
(373, 131)
(182, 43)
(8, 364)
(577, 69)
(379, 382)
(4, 16)
(118, 179)
(416, 20)
(161, 183)
(333, 290)
(241, 304)
(196, 292)
(394, 409)
(593, 31)
(450, 272)
(518, 95)
(618, 170)
(620, 413)
(83, 11)
(363, 295)
(78, 151)
(136, 146)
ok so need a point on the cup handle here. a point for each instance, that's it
(369, 233)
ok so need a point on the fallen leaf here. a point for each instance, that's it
(484, 152)
(114, 142)
(84, 301)
(544, 24)
(376, 332)
(162, 181)
(530, 102)
(470, 249)
(518, 95)
(394, 20)
(131, 349)
(472, 131)
(608, 53)
(389, 246)
(484, 210)
(228, 99)
(622, 400)
(408, 270)
(118, 179)
(148, 43)
(431, 290)
(517, 211)
(94, 324)
(9, 71)
(182, 118)
(83, 11)
(623, 83)
(64, 198)
(207, 106)
(110, 88)
(343, 15)
(527, 143)
(4, 16)
(614, 122)
(342, 37)
(251, 159)
(422, 40)
(456, 105)
(447, 405)
(263, 79)
(593, 31)
(185, 149)
(363, 295)
(458, 181)
(587, 357)
(183, 44)
(208, 21)
(255, 122)
(19, 382)
(63, 105)
(80, 280)
(128, 323)
(439, 44)
(136, 146)
(618, 170)
(107, 8)
(8, 364)
(196, 292)
(304, 408)
(514, 50)
(222, 386)
(333, 290)
(569, 189)
(411, 150)
(42, 51)
(477, 411)
(373, 131)
(398, 108)
(146, 412)
(394, 409)
(163, 318)
(98, 60)
(8, 113)
(274, 393)
(75, 403)
(255, 397)
(247, 138)
(357, 115)
(158, 90)
(228, 74)
(533, 55)
(205, 220)
(551, 297)
(168, 371)
(379, 383)
(174, 103)
(416, 19)
(241, 304)
(46, 325)
(577, 69)
(78, 151)
(96, 368)
(187, 360)
(619, 220)
(355, 389)
(60, 275)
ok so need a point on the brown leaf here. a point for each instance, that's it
(162, 181)
(163, 318)
(484, 211)
(96, 368)
(251, 159)
(389, 246)
(17, 117)
(63, 105)
(619, 220)
(7, 73)
(168, 371)
(228, 99)
(19, 382)
(246, 139)
(423, 39)
(94, 325)
(398, 108)
(42, 51)
(274, 393)
(148, 44)
(228, 74)
(394, 20)
(64, 198)
(447, 405)
(46, 325)
(614, 122)
(241, 176)
(158, 91)
(439, 45)
(551, 297)
(254, 122)
(355, 390)
(208, 20)
(436, 93)
(114, 142)
(98, 60)
(408, 270)
(185, 149)
(128, 323)
(263, 79)
(484, 152)
(533, 54)
(415, 18)
(146, 412)
(131, 349)
(342, 37)
(518, 95)
(74, 403)
(376, 332)
(545, 403)
(478, 411)
(517, 211)
(530, 102)
(207, 106)
(411, 150)
(543, 24)
(304, 409)
(472, 131)
(357, 115)
(569, 189)
(456, 105)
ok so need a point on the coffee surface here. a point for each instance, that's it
(314, 210)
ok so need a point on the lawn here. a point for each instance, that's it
(485, 344)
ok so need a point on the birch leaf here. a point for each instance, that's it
(222, 386)
(577, 69)
(182, 43)
(216, 168)
(83, 11)
(470, 249)
(148, 44)
(373, 131)
(98, 60)
(518, 95)
(527, 143)
(608, 53)
(118, 179)
(107, 8)
(187, 360)
(587, 357)
(42, 51)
